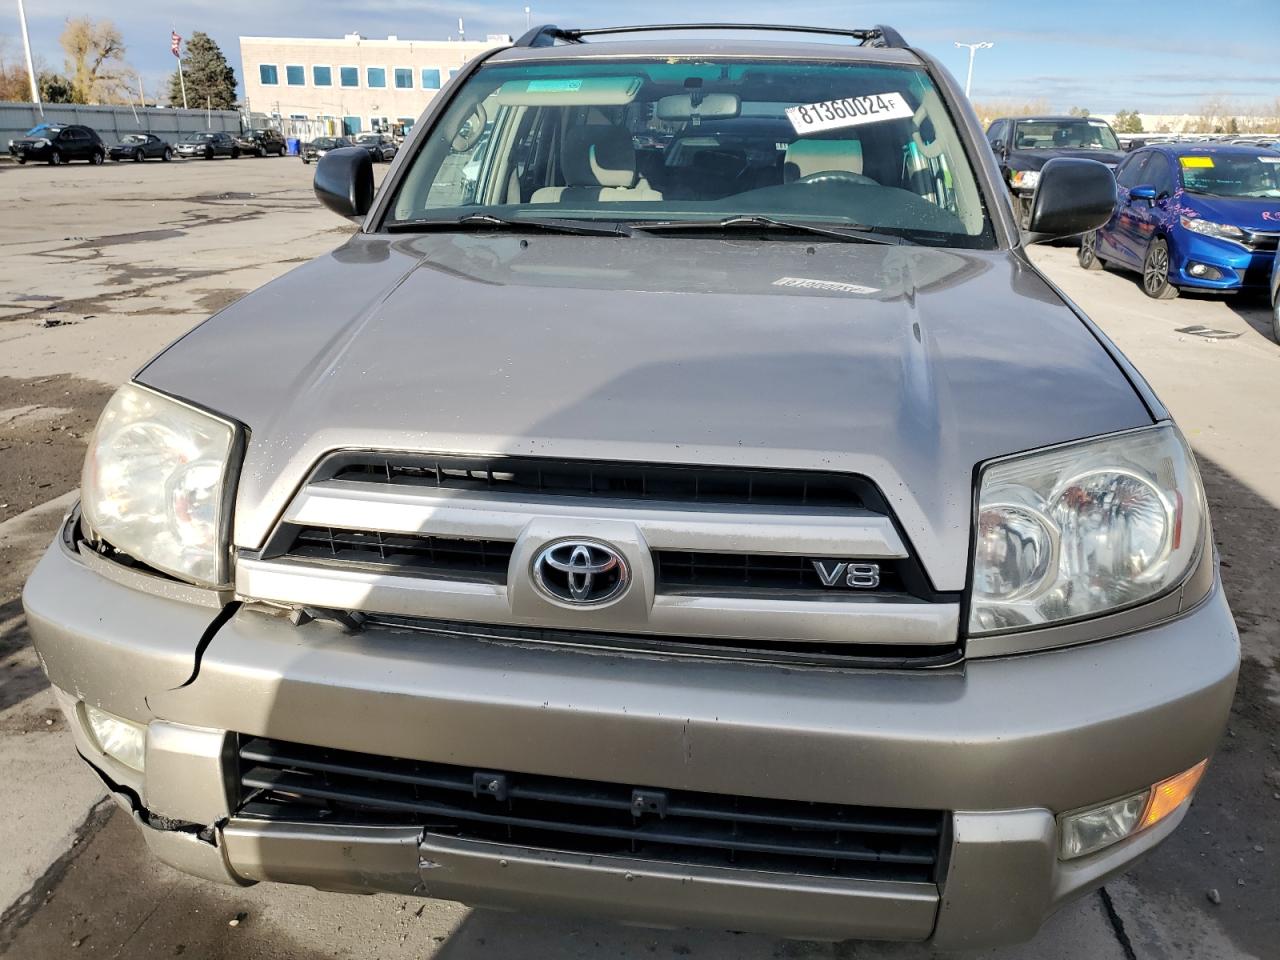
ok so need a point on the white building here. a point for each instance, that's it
(317, 86)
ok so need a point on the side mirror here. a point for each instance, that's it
(1073, 197)
(344, 181)
(1144, 192)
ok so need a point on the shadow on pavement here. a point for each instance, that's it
(1230, 840)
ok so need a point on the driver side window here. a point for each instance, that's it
(1160, 175)
(1132, 170)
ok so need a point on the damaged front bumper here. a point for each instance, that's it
(1001, 745)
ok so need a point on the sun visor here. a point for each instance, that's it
(576, 92)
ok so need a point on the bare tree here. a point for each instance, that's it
(95, 65)
(989, 110)
(14, 83)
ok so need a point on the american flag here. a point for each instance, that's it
(177, 42)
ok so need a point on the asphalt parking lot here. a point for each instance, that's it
(101, 267)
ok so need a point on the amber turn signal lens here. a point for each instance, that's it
(1168, 795)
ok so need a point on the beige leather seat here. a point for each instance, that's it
(599, 163)
(807, 157)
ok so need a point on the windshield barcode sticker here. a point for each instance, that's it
(849, 112)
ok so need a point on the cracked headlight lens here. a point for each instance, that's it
(1084, 529)
(155, 484)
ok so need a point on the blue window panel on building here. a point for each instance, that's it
(349, 76)
(375, 76)
(322, 76)
(350, 126)
(404, 78)
(267, 74)
(295, 76)
(430, 79)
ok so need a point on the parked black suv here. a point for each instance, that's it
(263, 142)
(1025, 144)
(58, 143)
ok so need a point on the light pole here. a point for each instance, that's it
(528, 18)
(973, 49)
(31, 70)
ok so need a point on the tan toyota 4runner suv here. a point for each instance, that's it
(681, 501)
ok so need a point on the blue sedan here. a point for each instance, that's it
(1192, 216)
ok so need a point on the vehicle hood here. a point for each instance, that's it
(908, 365)
(1035, 159)
(1249, 213)
(30, 140)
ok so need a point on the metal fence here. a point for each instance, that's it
(112, 123)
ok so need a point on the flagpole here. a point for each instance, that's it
(182, 80)
(31, 70)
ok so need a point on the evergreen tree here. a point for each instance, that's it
(55, 88)
(210, 79)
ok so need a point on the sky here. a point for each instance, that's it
(1166, 57)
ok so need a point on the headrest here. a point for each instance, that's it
(599, 156)
(805, 157)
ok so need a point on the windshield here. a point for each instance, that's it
(1232, 175)
(1059, 134)
(369, 138)
(847, 144)
(134, 138)
(43, 130)
(198, 137)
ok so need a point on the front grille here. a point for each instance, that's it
(1260, 240)
(579, 478)
(286, 781)
(484, 560)
(799, 653)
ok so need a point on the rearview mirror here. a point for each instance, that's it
(1143, 193)
(708, 106)
(344, 181)
(1073, 197)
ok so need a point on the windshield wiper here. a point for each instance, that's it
(859, 234)
(488, 220)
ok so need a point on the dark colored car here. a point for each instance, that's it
(208, 145)
(379, 145)
(59, 143)
(1025, 144)
(141, 146)
(263, 142)
(1195, 215)
(318, 147)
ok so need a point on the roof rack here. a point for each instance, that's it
(548, 34)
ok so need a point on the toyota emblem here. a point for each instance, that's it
(581, 572)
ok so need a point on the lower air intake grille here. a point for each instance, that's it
(408, 553)
(287, 781)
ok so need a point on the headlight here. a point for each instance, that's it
(155, 484)
(1084, 529)
(1223, 231)
(1025, 179)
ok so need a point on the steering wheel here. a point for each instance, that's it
(837, 176)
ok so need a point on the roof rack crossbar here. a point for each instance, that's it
(547, 35)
